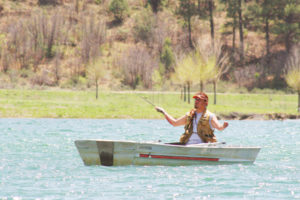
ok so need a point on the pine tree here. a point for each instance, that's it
(48, 2)
(287, 26)
(235, 11)
(167, 59)
(187, 10)
(119, 8)
(155, 5)
(260, 13)
(241, 30)
(211, 20)
(205, 11)
(232, 14)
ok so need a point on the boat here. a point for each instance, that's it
(120, 153)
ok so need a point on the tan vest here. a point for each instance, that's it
(203, 128)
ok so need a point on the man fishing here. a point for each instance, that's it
(199, 122)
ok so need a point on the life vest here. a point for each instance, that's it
(203, 128)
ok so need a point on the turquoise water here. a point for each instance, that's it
(38, 160)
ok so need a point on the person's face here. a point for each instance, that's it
(200, 103)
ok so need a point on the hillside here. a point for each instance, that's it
(75, 43)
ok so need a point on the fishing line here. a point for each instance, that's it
(145, 99)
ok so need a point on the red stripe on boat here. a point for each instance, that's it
(178, 157)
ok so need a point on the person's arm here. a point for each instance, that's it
(216, 124)
(175, 122)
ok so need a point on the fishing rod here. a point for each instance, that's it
(145, 99)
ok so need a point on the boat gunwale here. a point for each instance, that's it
(202, 145)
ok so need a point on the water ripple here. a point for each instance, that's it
(38, 160)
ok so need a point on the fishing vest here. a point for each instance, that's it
(203, 128)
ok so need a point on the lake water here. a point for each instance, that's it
(38, 160)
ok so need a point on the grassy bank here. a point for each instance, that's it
(82, 104)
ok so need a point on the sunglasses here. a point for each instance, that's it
(198, 99)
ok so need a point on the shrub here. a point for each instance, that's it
(42, 78)
(137, 65)
(26, 73)
(119, 8)
(167, 58)
(48, 2)
(13, 75)
(122, 35)
(155, 5)
(93, 36)
(144, 26)
(98, 2)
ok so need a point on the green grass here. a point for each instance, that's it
(82, 104)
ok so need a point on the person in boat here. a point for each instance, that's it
(199, 122)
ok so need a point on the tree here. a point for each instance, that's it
(287, 25)
(235, 9)
(52, 36)
(262, 14)
(292, 75)
(187, 10)
(231, 13)
(157, 79)
(119, 8)
(77, 6)
(192, 68)
(241, 30)
(144, 24)
(167, 59)
(92, 37)
(205, 11)
(205, 67)
(155, 5)
(185, 73)
(48, 2)
(96, 72)
(219, 61)
(211, 20)
(137, 65)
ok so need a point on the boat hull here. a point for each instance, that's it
(117, 153)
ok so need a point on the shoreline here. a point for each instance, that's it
(220, 116)
(242, 116)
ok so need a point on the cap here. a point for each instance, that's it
(200, 95)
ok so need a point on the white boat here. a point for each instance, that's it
(116, 153)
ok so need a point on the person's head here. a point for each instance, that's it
(201, 100)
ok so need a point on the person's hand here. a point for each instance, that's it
(225, 125)
(159, 109)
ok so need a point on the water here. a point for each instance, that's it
(38, 160)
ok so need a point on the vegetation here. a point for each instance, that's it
(293, 73)
(187, 9)
(119, 8)
(217, 62)
(52, 43)
(167, 59)
(96, 72)
(82, 104)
